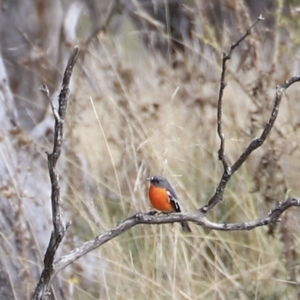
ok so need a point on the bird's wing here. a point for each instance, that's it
(174, 202)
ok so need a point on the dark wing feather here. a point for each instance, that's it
(174, 202)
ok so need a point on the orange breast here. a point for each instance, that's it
(159, 199)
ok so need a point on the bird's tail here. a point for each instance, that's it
(185, 226)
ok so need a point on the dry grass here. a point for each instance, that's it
(149, 118)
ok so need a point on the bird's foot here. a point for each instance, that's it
(153, 212)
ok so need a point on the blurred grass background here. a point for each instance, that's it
(141, 114)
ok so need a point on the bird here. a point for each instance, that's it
(163, 197)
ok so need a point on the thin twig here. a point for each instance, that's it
(228, 170)
(248, 32)
(45, 90)
(59, 227)
(259, 141)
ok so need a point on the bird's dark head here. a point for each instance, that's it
(157, 180)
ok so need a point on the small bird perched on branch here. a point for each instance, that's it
(163, 197)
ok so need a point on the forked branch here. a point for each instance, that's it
(221, 152)
(148, 218)
(256, 143)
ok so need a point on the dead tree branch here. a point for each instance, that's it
(221, 152)
(59, 227)
(256, 143)
(148, 218)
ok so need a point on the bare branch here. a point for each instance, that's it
(256, 143)
(59, 227)
(253, 146)
(259, 141)
(221, 152)
(271, 217)
(150, 218)
(248, 32)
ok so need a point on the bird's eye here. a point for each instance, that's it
(156, 180)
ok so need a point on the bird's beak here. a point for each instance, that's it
(149, 178)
